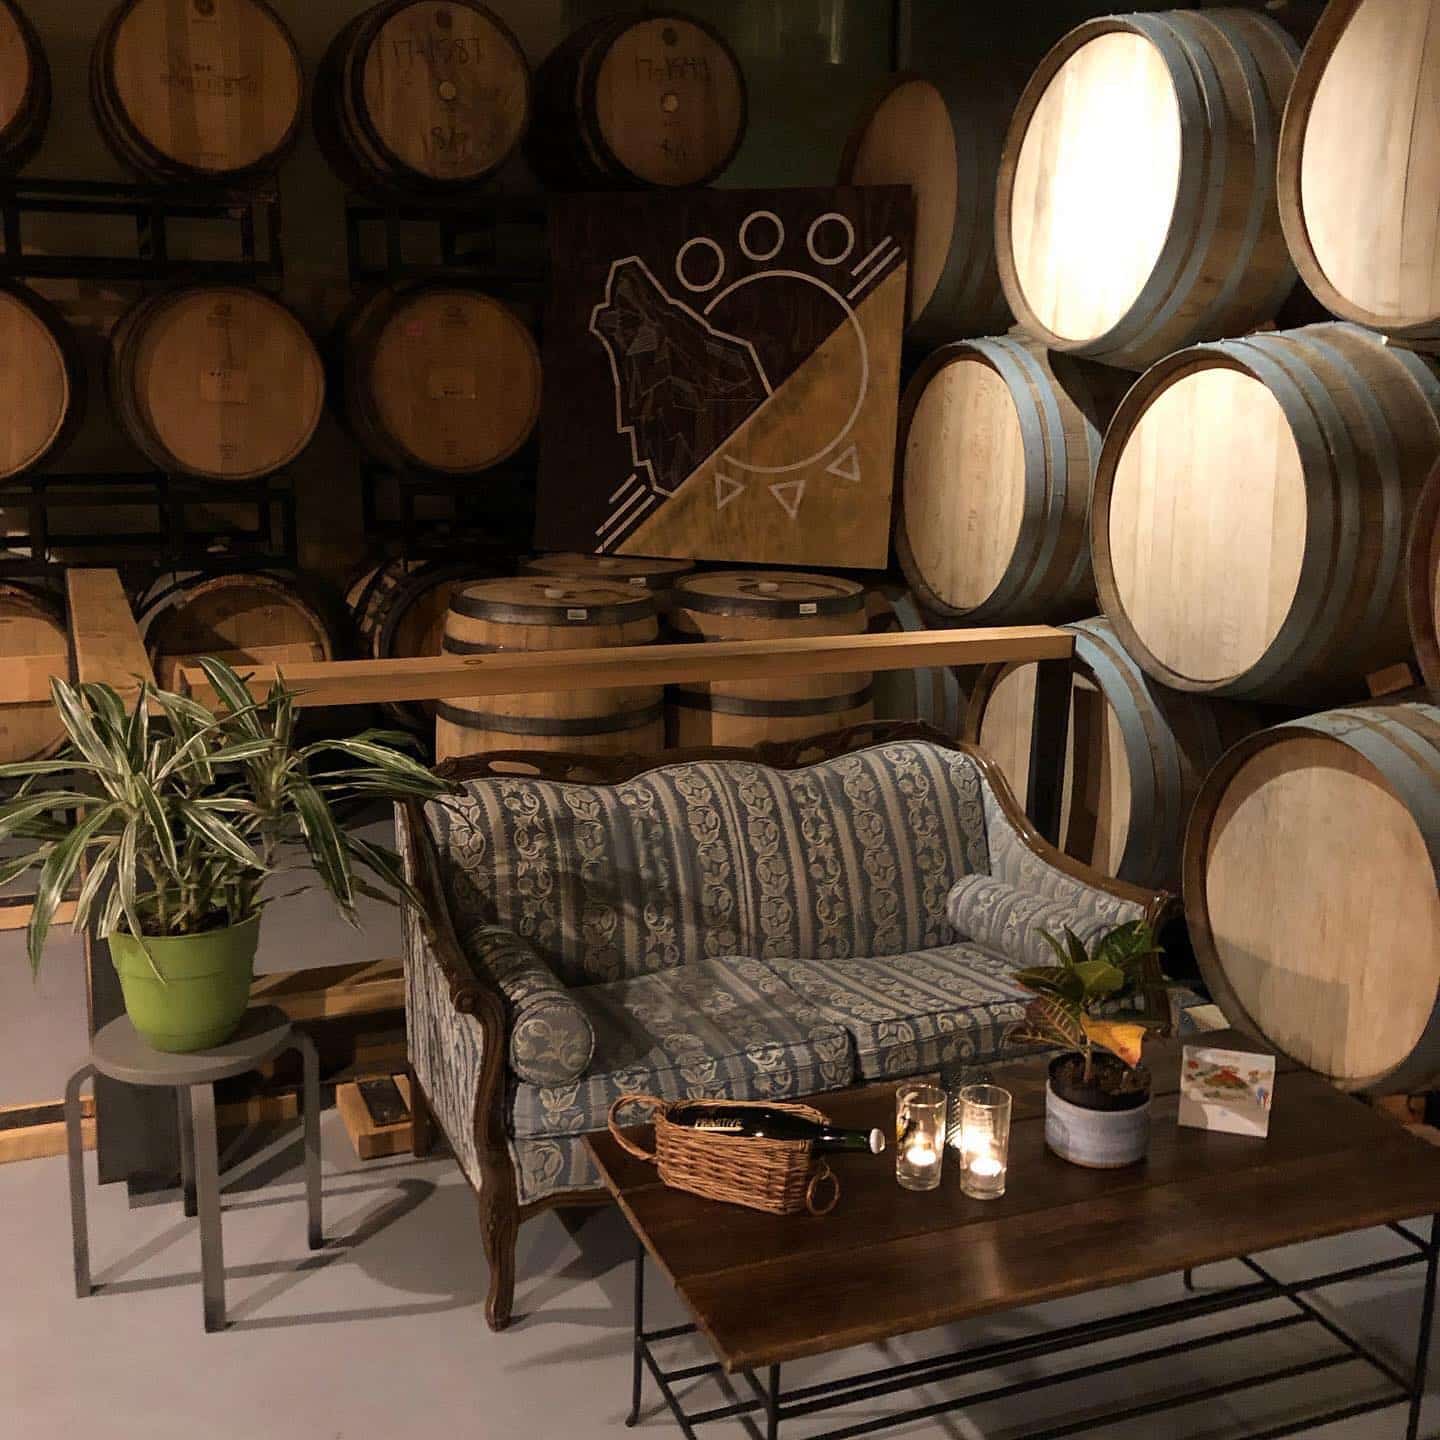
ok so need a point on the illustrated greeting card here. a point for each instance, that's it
(1228, 1090)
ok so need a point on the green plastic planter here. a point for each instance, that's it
(206, 987)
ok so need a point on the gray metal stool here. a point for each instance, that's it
(118, 1052)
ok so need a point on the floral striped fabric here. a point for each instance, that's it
(1013, 922)
(725, 1029)
(914, 1012)
(853, 856)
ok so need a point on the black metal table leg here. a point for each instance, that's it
(772, 1405)
(1049, 734)
(637, 1375)
(1427, 1320)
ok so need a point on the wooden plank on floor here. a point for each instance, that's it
(372, 1141)
(330, 991)
(16, 915)
(33, 1132)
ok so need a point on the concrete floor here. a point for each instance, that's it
(381, 1336)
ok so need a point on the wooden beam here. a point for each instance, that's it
(368, 988)
(444, 677)
(15, 914)
(104, 637)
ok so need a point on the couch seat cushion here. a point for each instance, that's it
(913, 1012)
(727, 1028)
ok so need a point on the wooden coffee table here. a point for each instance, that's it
(766, 1290)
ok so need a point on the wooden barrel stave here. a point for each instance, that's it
(32, 623)
(767, 604)
(943, 139)
(636, 101)
(218, 381)
(185, 91)
(439, 378)
(406, 106)
(996, 480)
(46, 399)
(244, 618)
(1422, 581)
(1341, 430)
(1358, 162)
(25, 89)
(1213, 261)
(1310, 886)
(1136, 754)
(550, 613)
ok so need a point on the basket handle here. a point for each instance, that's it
(629, 1146)
(823, 1175)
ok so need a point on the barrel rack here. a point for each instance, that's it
(146, 248)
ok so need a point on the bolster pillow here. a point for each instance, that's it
(551, 1039)
(1000, 917)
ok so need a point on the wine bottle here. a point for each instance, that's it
(762, 1122)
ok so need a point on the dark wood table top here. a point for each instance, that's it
(887, 1261)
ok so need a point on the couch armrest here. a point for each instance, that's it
(456, 1018)
(551, 1039)
(1023, 859)
(1001, 917)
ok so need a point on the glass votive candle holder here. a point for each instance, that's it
(984, 1141)
(920, 1112)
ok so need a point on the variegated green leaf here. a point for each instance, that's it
(219, 832)
(55, 875)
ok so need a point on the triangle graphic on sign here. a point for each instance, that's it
(789, 493)
(847, 467)
(727, 487)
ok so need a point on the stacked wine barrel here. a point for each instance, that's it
(763, 605)
(544, 612)
(1136, 754)
(245, 618)
(638, 101)
(32, 624)
(219, 382)
(422, 98)
(399, 609)
(935, 694)
(1000, 440)
(1359, 163)
(439, 378)
(1251, 510)
(1422, 585)
(656, 577)
(44, 381)
(1136, 207)
(1311, 891)
(187, 90)
(24, 89)
(942, 139)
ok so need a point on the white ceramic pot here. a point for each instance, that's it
(1098, 1139)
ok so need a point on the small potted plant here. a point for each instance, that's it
(181, 815)
(1097, 1101)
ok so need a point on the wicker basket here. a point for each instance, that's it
(778, 1176)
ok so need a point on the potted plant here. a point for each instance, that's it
(1097, 1099)
(181, 817)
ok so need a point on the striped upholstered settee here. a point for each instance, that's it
(759, 925)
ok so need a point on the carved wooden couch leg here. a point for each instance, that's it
(499, 1222)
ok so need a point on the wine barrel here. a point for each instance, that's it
(1135, 756)
(439, 378)
(638, 100)
(32, 623)
(767, 604)
(1359, 163)
(24, 89)
(399, 609)
(1251, 508)
(246, 618)
(942, 139)
(933, 693)
(216, 381)
(539, 612)
(999, 440)
(421, 97)
(1135, 210)
(1310, 890)
(187, 90)
(1422, 581)
(43, 379)
(658, 577)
